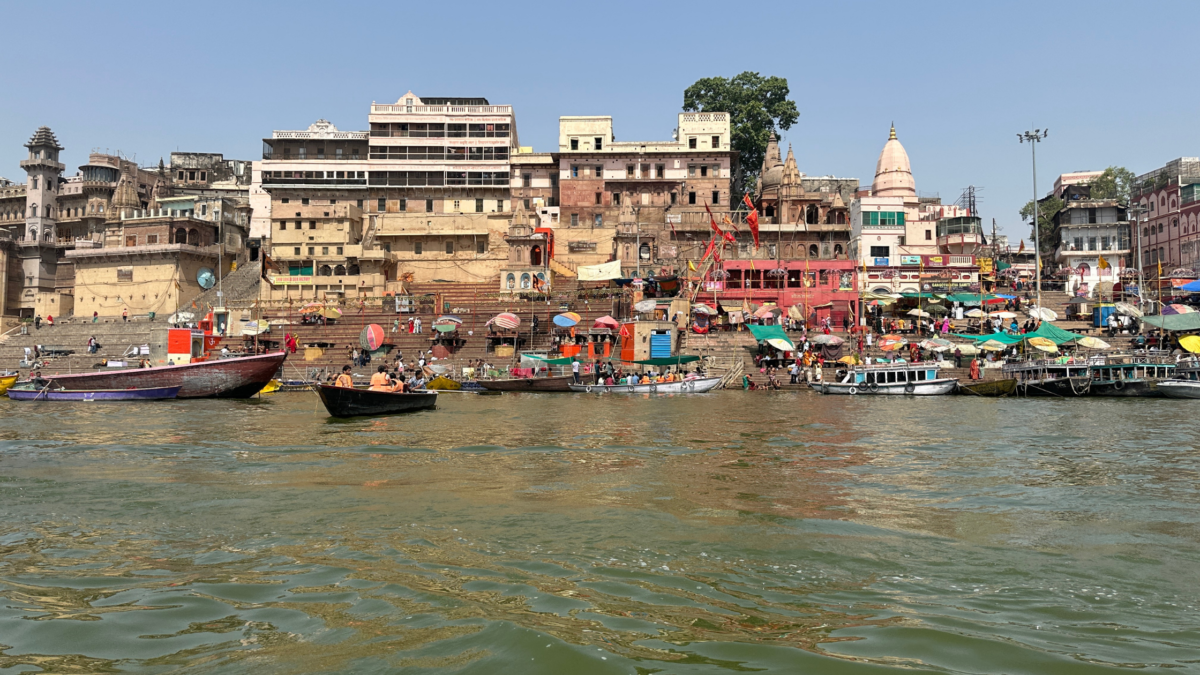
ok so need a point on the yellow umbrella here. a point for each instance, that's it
(850, 360)
(1042, 343)
(993, 346)
(1052, 348)
(1096, 343)
(1190, 343)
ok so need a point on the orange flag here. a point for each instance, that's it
(752, 219)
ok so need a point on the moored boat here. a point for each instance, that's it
(347, 402)
(1129, 379)
(238, 377)
(7, 381)
(1185, 384)
(889, 379)
(557, 383)
(693, 386)
(46, 394)
(991, 388)
(1050, 378)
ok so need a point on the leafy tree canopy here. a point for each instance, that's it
(1114, 183)
(1046, 210)
(757, 106)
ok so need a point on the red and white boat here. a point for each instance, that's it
(237, 377)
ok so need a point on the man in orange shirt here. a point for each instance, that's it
(380, 380)
(344, 380)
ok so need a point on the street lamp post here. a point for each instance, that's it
(1138, 212)
(1033, 138)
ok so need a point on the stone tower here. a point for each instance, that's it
(44, 170)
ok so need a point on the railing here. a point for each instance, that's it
(336, 135)
(288, 157)
(443, 109)
(348, 182)
(704, 117)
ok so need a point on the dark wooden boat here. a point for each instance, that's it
(994, 388)
(346, 402)
(558, 383)
(239, 377)
(1130, 379)
(44, 394)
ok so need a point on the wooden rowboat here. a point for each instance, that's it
(44, 394)
(346, 402)
(7, 381)
(560, 383)
(994, 388)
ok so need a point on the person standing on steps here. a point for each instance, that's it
(125, 315)
(37, 322)
(95, 317)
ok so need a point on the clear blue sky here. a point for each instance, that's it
(960, 79)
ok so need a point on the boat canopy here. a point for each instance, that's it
(1047, 330)
(773, 335)
(972, 299)
(561, 361)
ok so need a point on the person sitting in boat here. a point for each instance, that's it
(344, 380)
(380, 380)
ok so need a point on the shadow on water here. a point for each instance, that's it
(563, 533)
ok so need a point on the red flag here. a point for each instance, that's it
(731, 223)
(709, 250)
(752, 219)
(717, 229)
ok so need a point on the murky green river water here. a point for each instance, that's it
(730, 532)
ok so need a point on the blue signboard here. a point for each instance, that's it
(880, 262)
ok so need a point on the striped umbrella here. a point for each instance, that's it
(506, 320)
(371, 337)
(567, 319)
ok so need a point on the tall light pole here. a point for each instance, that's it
(1138, 212)
(1033, 138)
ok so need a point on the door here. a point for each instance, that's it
(660, 345)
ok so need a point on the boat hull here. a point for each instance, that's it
(1179, 388)
(151, 394)
(7, 381)
(938, 387)
(240, 377)
(561, 383)
(1067, 387)
(697, 386)
(346, 402)
(1136, 388)
(992, 389)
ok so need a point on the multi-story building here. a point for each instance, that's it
(1089, 229)
(905, 243)
(1167, 203)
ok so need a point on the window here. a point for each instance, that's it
(691, 170)
(574, 143)
(703, 171)
(417, 247)
(598, 142)
(716, 141)
(598, 172)
(616, 199)
(449, 246)
(574, 220)
(381, 205)
(359, 204)
(324, 250)
(303, 153)
(716, 197)
(554, 180)
(629, 171)
(428, 206)
(457, 205)
(152, 239)
(403, 206)
(598, 220)
(525, 204)
(600, 195)
(296, 251)
(304, 201)
(574, 171)
(283, 224)
(1160, 228)
(298, 225)
(478, 206)
(674, 197)
(527, 180)
(180, 175)
(879, 251)
(124, 274)
(659, 170)
(285, 200)
(338, 153)
(203, 175)
(691, 197)
(716, 170)
(339, 250)
(481, 246)
(312, 250)
(692, 143)
(191, 175)
(928, 235)
(312, 224)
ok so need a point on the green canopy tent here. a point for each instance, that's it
(1047, 330)
(563, 361)
(774, 336)
(669, 360)
(1175, 322)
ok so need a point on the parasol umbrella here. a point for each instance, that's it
(448, 318)
(321, 309)
(849, 360)
(1177, 309)
(1051, 348)
(890, 343)
(794, 312)
(917, 312)
(974, 314)
(1094, 343)
(445, 327)
(505, 320)
(767, 310)
(937, 309)
(1190, 343)
(643, 306)
(606, 322)
(1078, 300)
(781, 344)
(1002, 315)
(967, 349)
(371, 337)
(993, 346)
(1043, 313)
(823, 339)
(1128, 310)
(567, 319)
(936, 344)
(1041, 342)
(701, 308)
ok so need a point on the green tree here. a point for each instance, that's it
(756, 105)
(1047, 209)
(1114, 183)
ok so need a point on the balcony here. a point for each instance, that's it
(317, 157)
(385, 108)
(285, 181)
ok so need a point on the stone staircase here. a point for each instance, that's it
(114, 335)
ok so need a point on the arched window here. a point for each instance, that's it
(1174, 222)
(1161, 251)
(1160, 228)
(535, 256)
(193, 237)
(811, 214)
(787, 251)
(628, 252)
(837, 249)
(813, 251)
(1145, 232)
(33, 211)
(525, 281)
(511, 281)
(339, 271)
(325, 271)
(644, 251)
(180, 236)
(352, 270)
(48, 235)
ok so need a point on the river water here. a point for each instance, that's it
(542, 533)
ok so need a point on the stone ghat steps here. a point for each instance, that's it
(115, 336)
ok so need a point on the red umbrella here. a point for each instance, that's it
(371, 337)
(505, 320)
(606, 322)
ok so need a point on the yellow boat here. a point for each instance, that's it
(271, 387)
(7, 381)
(443, 383)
